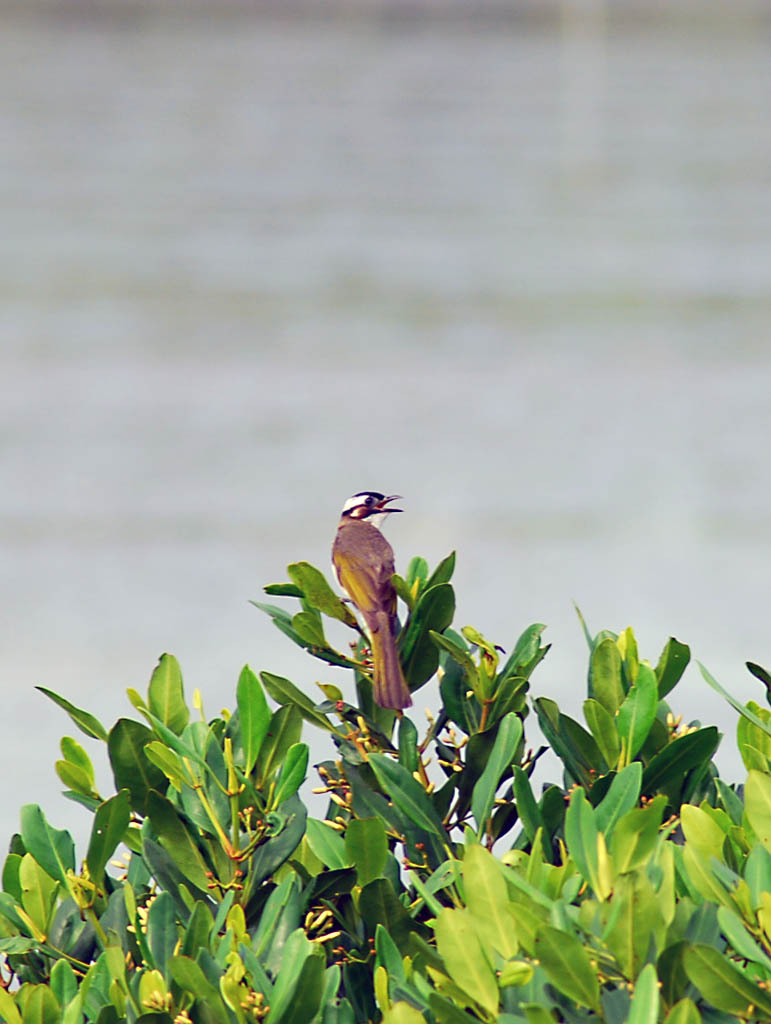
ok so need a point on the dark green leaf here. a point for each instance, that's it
(678, 757)
(603, 728)
(131, 768)
(284, 729)
(161, 930)
(672, 663)
(271, 854)
(529, 812)
(407, 794)
(567, 964)
(366, 847)
(408, 744)
(178, 839)
(526, 654)
(443, 572)
(507, 740)
(292, 774)
(379, 904)
(622, 796)
(286, 693)
(109, 827)
(283, 590)
(724, 985)
(418, 653)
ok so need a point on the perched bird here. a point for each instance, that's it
(364, 563)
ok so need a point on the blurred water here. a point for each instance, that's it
(515, 269)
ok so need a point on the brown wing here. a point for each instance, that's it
(364, 562)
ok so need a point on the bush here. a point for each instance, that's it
(439, 886)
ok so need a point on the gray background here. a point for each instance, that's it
(511, 262)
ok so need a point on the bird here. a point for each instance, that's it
(363, 561)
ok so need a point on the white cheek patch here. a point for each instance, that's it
(352, 503)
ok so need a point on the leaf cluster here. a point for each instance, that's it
(439, 886)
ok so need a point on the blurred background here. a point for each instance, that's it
(509, 260)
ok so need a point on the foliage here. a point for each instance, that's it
(439, 886)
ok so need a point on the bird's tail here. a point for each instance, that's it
(388, 683)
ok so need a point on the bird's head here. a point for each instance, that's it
(369, 505)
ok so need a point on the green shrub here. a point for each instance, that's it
(439, 887)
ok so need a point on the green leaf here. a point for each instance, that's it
(526, 654)
(318, 593)
(464, 660)
(417, 572)
(286, 693)
(403, 1013)
(683, 1012)
(110, 823)
(284, 729)
(190, 978)
(131, 768)
(527, 808)
(169, 763)
(64, 983)
(308, 627)
(75, 778)
(366, 847)
(8, 1009)
(166, 696)
(741, 941)
(465, 959)
(408, 744)
(677, 758)
(622, 796)
(635, 716)
(178, 839)
(74, 752)
(283, 590)
(292, 774)
(506, 742)
(84, 721)
(583, 842)
(38, 891)
(327, 844)
(605, 684)
(757, 806)
(253, 716)
(702, 831)
(635, 918)
(724, 985)
(52, 848)
(635, 835)
(492, 913)
(162, 930)
(672, 663)
(645, 1001)
(418, 652)
(407, 794)
(379, 904)
(567, 964)
(603, 728)
(443, 572)
(743, 711)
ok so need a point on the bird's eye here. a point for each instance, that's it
(369, 501)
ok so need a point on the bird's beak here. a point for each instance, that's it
(381, 505)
